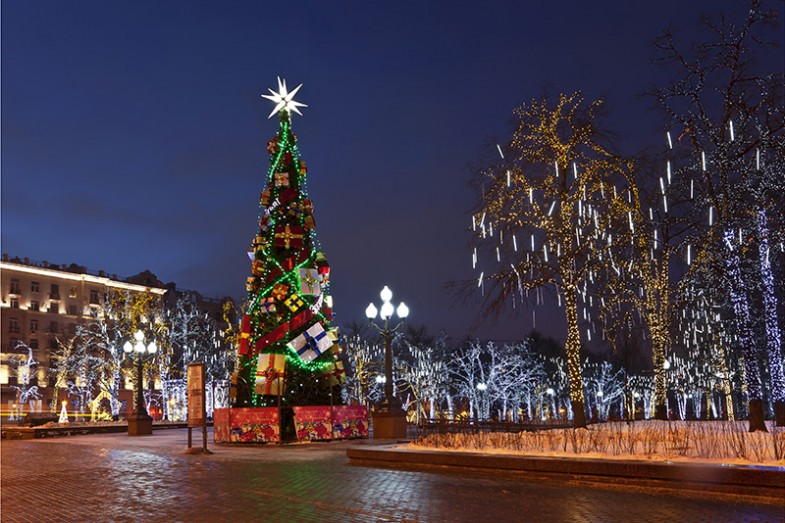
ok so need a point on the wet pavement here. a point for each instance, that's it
(116, 478)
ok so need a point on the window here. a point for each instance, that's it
(14, 303)
(15, 289)
(72, 309)
(54, 291)
(94, 297)
(33, 325)
(52, 343)
(54, 307)
(13, 324)
(35, 306)
(34, 286)
(34, 343)
(53, 327)
(72, 292)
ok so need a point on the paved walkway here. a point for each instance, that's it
(116, 478)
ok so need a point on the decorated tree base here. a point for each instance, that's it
(310, 423)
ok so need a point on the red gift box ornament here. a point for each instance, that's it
(245, 334)
(272, 146)
(289, 236)
(264, 198)
(282, 179)
(280, 291)
(287, 195)
(257, 267)
(264, 221)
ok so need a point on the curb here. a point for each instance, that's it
(11, 433)
(766, 482)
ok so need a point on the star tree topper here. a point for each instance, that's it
(283, 99)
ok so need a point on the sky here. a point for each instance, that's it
(133, 133)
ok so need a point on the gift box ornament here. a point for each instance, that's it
(281, 179)
(270, 371)
(288, 236)
(327, 313)
(303, 169)
(264, 221)
(280, 291)
(334, 334)
(311, 343)
(251, 284)
(294, 209)
(294, 303)
(322, 265)
(272, 146)
(267, 306)
(264, 198)
(307, 206)
(310, 281)
(335, 373)
(259, 242)
(257, 267)
(287, 195)
(309, 222)
(245, 334)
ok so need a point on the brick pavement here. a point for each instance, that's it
(114, 478)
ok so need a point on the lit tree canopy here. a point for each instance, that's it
(551, 214)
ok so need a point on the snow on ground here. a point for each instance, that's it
(720, 442)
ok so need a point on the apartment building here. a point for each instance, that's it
(41, 302)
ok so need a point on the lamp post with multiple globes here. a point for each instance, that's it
(139, 423)
(389, 419)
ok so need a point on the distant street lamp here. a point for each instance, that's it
(482, 387)
(139, 423)
(389, 420)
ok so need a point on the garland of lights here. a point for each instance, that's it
(770, 313)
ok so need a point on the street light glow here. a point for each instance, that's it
(387, 310)
(371, 311)
(403, 311)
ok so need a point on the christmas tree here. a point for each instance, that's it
(286, 351)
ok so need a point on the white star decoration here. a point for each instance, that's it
(284, 99)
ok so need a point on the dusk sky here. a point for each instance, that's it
(133, 133)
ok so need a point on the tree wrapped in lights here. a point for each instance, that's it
(285, 349)
(548, 216)
(729, 116)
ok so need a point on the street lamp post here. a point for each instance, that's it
(139, 423)
(389, 419)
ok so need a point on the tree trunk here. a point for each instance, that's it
(578, 414)
(779, 413)
(756, 416)
(572, 347)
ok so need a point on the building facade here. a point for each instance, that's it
(41, 303)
